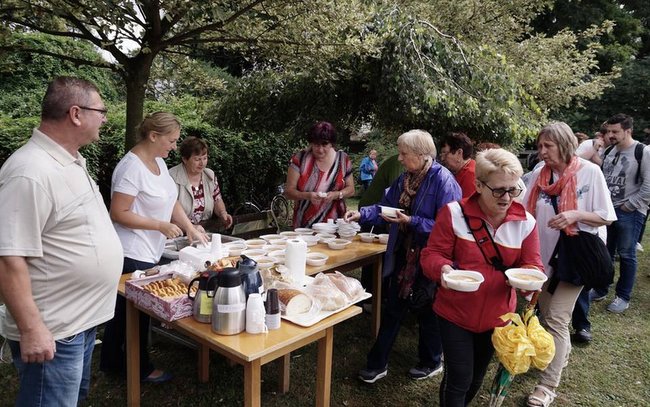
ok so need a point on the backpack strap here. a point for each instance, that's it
(485, 243)
(638, 155)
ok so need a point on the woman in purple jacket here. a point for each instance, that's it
(420, 191)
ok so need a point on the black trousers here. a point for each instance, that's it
(467, 356)
(113, 355)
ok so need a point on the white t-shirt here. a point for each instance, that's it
(155, 196)
(593, 196)
(586, 150)
(54, 216)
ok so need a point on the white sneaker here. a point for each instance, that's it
(618, 305)
(639, 248)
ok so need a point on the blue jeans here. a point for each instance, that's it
(580, 316)
(622, 236)
(62, 381)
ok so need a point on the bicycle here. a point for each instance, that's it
(280, 208)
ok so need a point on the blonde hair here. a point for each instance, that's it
(561, 134)
(419, 142)
(159, 122)
(497, 159)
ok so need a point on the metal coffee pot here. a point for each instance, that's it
(203, 299)
(229, 306)
(250, 275)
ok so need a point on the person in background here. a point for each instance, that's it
(60, 257)
(319, 178)
(630, 195)
(145, 213)
(467, 319)
(456, 154)
(420, 192)
(198, 190)
(368, 169)
(582, 137)
(566, 194)
(387, 173)
(592, 149)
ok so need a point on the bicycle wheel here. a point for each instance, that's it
(281, 209)
(246, 208)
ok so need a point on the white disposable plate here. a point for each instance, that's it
(517, 278)
(309, 319)
(389, 211)
(464, 286)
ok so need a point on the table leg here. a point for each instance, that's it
(204, 362)
(252, 383)
(324, 368)
(376, 298)
(285, 363)
(133, 355)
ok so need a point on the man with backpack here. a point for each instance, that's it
(626, 166)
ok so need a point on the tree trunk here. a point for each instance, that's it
(136, 78)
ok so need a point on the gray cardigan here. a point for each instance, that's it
(185, 196)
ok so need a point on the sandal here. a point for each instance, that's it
(543, 401)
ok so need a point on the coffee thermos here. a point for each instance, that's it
(250, 276)
(202, 300)
(229, 307)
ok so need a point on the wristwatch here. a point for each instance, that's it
(340, 194)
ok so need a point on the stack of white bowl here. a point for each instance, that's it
(347, 230)
(322, 227)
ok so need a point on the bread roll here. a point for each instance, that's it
(294, 301)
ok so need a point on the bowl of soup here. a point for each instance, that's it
(526, 279)
(463, 280)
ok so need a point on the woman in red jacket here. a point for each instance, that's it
(467, 319)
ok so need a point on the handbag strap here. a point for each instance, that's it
(482, 236)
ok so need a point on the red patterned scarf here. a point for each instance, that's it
(565, 187)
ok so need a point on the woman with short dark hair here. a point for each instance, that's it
(319, 178)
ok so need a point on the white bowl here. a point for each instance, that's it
(368, 237)
(278, 255)
(389, 211)
(278, 242)
(265, 262)
(310, 240)
(317, 259)
(274, 247)
(235, 249)
(289, 234)
(526, 279)
(463, 280)
(324, 227)
(383, 238)
(254, 253)
(268, 238)
(304, 231)
(349, 235)
(255, 243)
(338, 244)
(325, 237)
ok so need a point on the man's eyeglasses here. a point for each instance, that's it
(499, 192)
(104, 111)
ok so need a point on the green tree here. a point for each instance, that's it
(135, 32)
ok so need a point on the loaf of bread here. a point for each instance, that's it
(326, 294)
(294, 301)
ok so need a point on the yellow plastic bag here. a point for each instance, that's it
(541, 340)
(512, 345)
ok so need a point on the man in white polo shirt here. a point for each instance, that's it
(60, 258)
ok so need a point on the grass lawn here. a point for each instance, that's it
(614, 370)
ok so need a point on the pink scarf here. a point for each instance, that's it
(565, 187)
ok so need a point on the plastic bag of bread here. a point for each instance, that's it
(326, 293)
(350, 286)
(294, 301)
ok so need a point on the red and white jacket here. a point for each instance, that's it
(451, 242)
